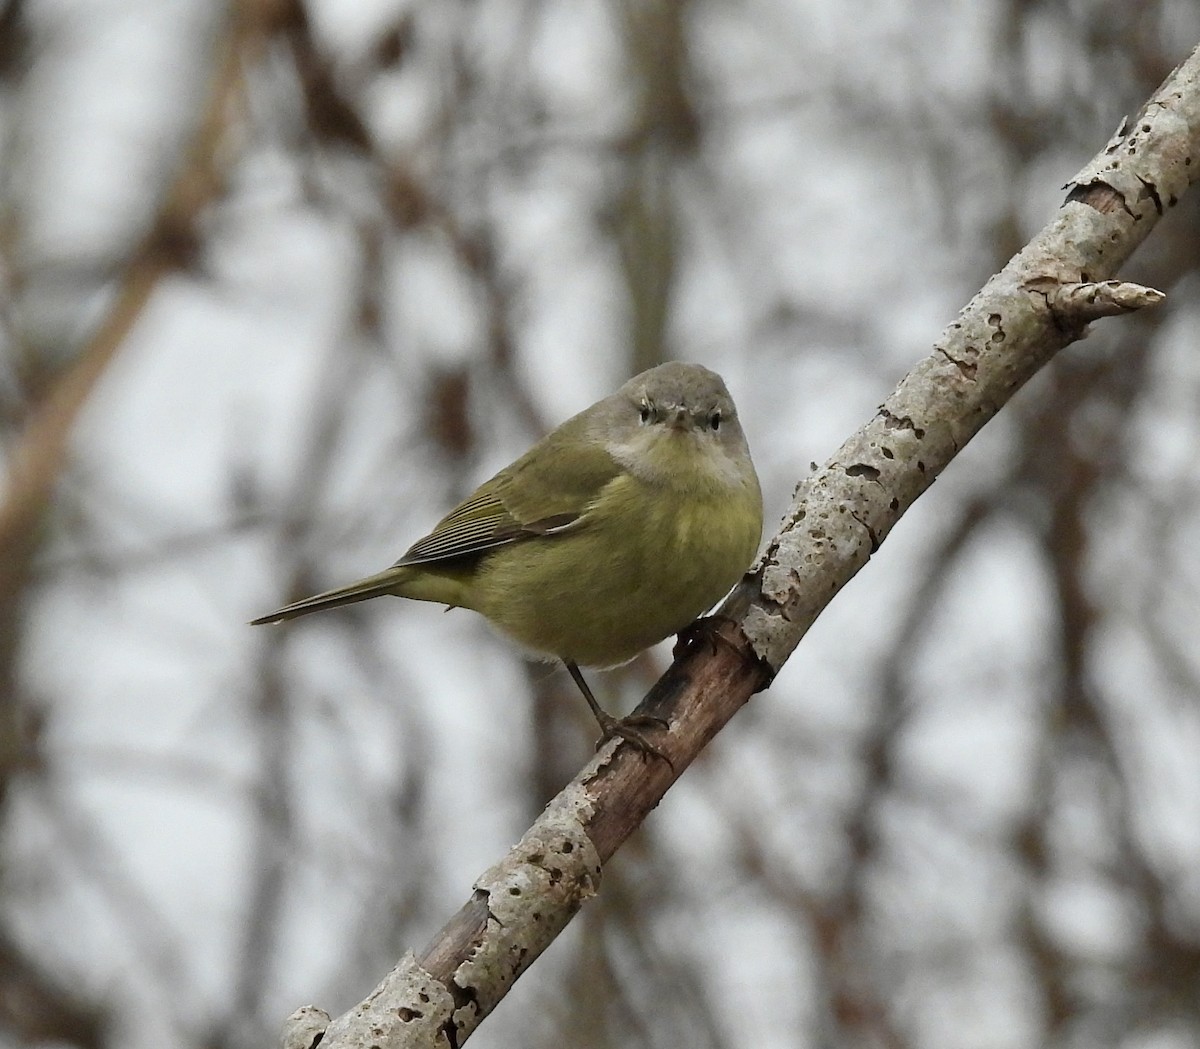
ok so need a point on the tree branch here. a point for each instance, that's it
(840, 515)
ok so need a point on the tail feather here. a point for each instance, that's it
(372, 586)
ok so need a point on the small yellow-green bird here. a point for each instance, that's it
(613, 532)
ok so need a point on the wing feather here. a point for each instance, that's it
(533, 497)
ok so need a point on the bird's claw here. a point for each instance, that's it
(628, 729)
(706, 628)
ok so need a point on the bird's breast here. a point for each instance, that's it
(645, 561)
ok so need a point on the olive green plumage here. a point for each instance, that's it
(611, 533)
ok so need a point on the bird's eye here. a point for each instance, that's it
(644, 412)
(714, 420)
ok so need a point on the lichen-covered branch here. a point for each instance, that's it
(1022, 317)
(841, 514)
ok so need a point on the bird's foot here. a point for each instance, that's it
(629, 729)
(626, 728)
(704, 629)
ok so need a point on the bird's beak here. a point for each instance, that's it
(680, 419)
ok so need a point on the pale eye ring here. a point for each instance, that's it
(644, 411)
(714, 420)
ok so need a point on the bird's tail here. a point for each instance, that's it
(373, 586)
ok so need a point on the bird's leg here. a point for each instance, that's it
(627, 727)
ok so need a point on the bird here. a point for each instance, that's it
(616, 530)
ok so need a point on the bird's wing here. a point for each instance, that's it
(535, 496)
